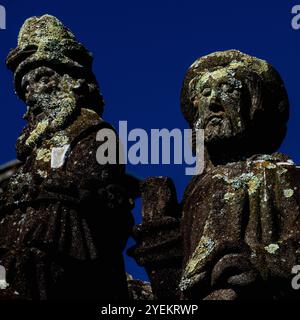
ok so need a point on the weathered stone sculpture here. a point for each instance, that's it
(64, 218)
(240, 219)
(6, 171)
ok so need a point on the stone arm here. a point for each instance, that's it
(158, 241)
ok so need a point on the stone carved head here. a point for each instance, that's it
(240, 101)
(51, 68)
(53, 76)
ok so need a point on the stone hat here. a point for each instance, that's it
(45, 41)
(269, 100)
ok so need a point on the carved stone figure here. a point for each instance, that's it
(236, 234)
(64, 218)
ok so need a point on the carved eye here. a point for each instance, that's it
(44, 76)
(44, 79)
(206, 92)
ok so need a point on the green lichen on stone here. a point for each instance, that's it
(203, 249)
(253, 184)
(258, 66)
(60, 140)
(249, 180)
(67, 108)
(37, 30)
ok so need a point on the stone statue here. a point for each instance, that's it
(64, 218)
(236, 234)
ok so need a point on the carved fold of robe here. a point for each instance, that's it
(245, 214)
(67, 225)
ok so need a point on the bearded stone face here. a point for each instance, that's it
(221, 105)
(44, 90)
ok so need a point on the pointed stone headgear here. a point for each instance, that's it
(45, 41)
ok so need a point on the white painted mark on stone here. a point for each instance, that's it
(58, 156)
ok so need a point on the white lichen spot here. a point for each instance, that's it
(288, 193)
(42, 173)
(228, 196)
(198, 124)
(272, 248)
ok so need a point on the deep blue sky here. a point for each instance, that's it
(142, 50)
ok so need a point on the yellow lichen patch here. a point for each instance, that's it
(249, 180)
(264, 164)
(203, 249)
(239, 60)
(37, 29)
(43, 155)
(271, 166)
(37, 132)
(68, 106)
(253, 184)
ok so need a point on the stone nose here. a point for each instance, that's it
(215, 102)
